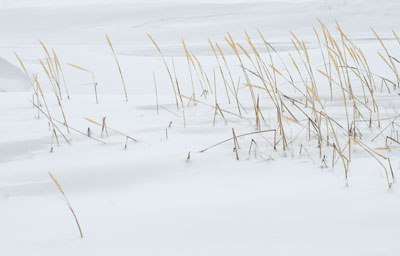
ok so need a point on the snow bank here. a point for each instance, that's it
(12, 79)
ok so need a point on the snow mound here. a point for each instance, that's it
(12, 79)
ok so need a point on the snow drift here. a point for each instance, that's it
(12, 79)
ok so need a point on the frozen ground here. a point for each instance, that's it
(148, 199)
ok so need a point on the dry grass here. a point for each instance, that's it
(93, 77)
(285, 93)
(119, 67)
(67, 202)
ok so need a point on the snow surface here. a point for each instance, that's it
(148, 199)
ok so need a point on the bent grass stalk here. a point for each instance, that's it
(110, 129)
(67, 202)
(119, 67)
(94, 79)
(168, 70)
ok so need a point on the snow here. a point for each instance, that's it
(12, 79)
(148, 198)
